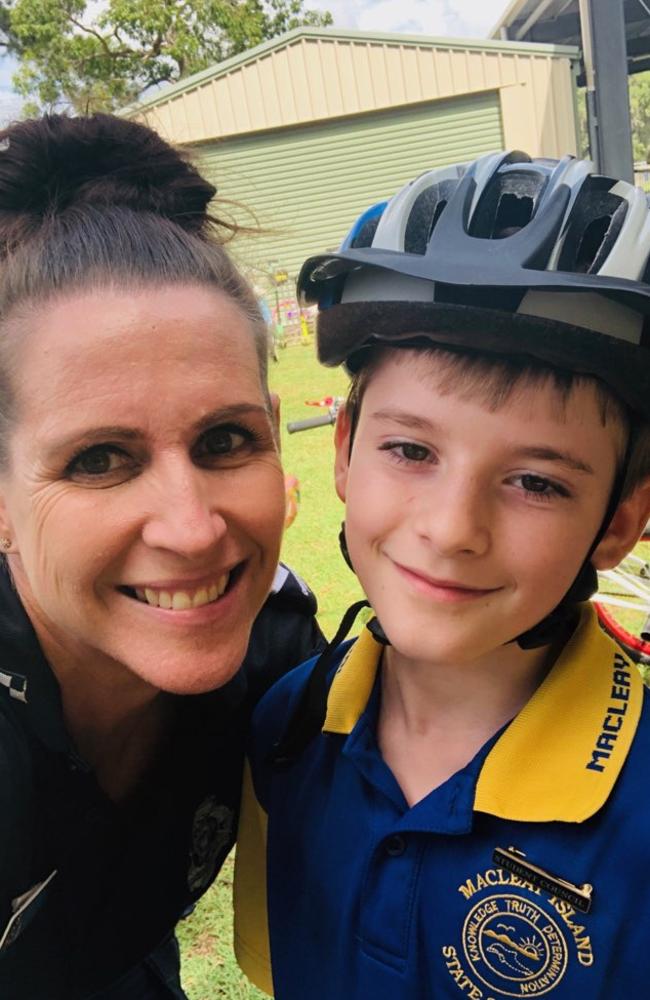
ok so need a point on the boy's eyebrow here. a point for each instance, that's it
(547, 454)
(405, 418)
(541, 452)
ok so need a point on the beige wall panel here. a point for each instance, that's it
(492, 70)
(270, 114)
(459, 75)
(192, 112)
(219, 107)
(239, 96)
(315, 79)
(411, 74)
(395, 75)
(427, 63)
(334, 98)
(507, 69)
(564, 107)
(444, 72)
(518, 122)
(476, 70)
(284, 85)
(302, 95)
(254, 99)
(347, 77)
(540, 71)
(380, 90)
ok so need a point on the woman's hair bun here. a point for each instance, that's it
(50, 164)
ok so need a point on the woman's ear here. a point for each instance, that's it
(275, 417)
(342, 443)
(625, 528)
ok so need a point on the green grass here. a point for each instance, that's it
(311, 547)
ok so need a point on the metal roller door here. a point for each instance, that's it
(307, 185)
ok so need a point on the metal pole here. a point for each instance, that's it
(608, 100)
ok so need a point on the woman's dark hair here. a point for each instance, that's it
(103, 201)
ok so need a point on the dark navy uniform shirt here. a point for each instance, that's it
(88, 888)
(370, 899)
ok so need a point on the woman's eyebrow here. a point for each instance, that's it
(116, 432)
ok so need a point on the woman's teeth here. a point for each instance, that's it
(182, 600)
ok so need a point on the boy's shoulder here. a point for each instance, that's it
(278, 704)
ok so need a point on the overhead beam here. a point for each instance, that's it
(608, 99)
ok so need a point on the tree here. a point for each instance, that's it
(111, 55)
(640, 113)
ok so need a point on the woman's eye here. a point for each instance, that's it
(98, 461)
(222, 441)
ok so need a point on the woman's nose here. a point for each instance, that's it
(184, 515)
(454, 517)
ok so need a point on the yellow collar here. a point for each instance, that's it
(559, 759)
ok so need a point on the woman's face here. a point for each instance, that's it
(144, 494)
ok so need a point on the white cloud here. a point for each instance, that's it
(460, 18)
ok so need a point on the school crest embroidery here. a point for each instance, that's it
(212, 833)
(515, 942)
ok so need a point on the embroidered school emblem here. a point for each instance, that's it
(514, 946)
(515, 940)
(212, 833)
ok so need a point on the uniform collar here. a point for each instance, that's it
(26, 680)
(559, 759)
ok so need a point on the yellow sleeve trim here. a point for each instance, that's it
(249, 893)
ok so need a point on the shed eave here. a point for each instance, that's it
(339, 34)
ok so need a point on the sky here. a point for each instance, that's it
(457, 18)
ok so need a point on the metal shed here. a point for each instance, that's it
(311, 128)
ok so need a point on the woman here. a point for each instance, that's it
(141, 507)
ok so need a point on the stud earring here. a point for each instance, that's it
(5, 543)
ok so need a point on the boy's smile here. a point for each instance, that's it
(466, 523)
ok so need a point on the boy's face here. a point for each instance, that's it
(467, 526)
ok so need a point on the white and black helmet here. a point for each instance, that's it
(506, 254)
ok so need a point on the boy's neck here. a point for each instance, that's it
(434, 717)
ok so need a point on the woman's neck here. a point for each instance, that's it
(116, 720)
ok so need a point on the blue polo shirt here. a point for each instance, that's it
(370, 899)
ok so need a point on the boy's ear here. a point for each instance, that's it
(625, 528)
(342, 444)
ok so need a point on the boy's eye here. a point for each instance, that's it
(407, 451)
(540, 486)
(99, 462)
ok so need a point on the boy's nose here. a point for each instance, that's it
(183, 516)
(454, 519)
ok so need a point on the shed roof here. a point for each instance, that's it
(347, 35)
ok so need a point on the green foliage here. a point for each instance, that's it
(640, 114)
(75, 53)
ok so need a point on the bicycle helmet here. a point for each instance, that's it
(505, 254)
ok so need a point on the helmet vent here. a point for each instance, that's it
(596, 221)
(513, 213)
(366, 234)
(508, 203)
(425, 213)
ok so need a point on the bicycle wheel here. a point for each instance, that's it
(623, 601)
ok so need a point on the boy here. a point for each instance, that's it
(456, 801)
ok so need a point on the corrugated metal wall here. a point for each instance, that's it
(308, 184)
